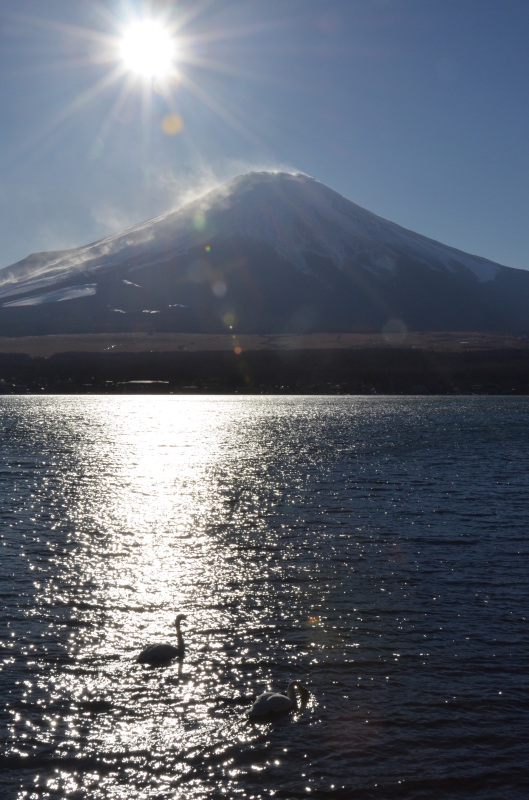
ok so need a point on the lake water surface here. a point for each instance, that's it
(374, 548)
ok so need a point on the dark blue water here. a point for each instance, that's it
(374, 548)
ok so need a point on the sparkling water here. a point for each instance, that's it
(373, 548)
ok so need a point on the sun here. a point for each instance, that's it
(148, 49)
(151, 58)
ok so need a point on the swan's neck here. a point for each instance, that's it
(291, 693)
(179, 636)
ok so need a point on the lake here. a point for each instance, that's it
(374, 548)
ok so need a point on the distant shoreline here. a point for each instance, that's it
(46, 346)
(433, 363)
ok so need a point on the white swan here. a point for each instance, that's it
(271, 703)
(159, 653)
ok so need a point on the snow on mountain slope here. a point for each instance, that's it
(297, 214)
(68, 293)
(292, 213)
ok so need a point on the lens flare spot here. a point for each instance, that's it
(395, 332)
(199, 221)
(207, 248)
(219, 288)
(229, 319)
(313, 620)
(172, 124)
(237, 350)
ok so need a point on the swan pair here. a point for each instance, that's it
(267, 704)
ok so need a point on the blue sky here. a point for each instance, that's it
(417, 110)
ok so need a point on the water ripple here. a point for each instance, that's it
(373, 548)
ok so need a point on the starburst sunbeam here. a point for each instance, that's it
(146, 54)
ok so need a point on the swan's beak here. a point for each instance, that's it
(304, 694)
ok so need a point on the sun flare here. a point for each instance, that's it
(148, 49)
(147, 61)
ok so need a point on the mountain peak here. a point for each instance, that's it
(271, 251)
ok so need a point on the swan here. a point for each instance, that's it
(159, 653)
(270, 703)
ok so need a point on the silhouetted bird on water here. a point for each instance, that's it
(162, 653)
(271, 703)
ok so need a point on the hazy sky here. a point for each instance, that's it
(417, 110)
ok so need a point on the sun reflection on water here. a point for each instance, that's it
(159, 519)
(145, 523)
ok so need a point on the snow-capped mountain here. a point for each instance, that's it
(264, 252)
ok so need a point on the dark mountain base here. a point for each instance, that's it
(372, 370)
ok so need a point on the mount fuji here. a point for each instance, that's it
(263, 253)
